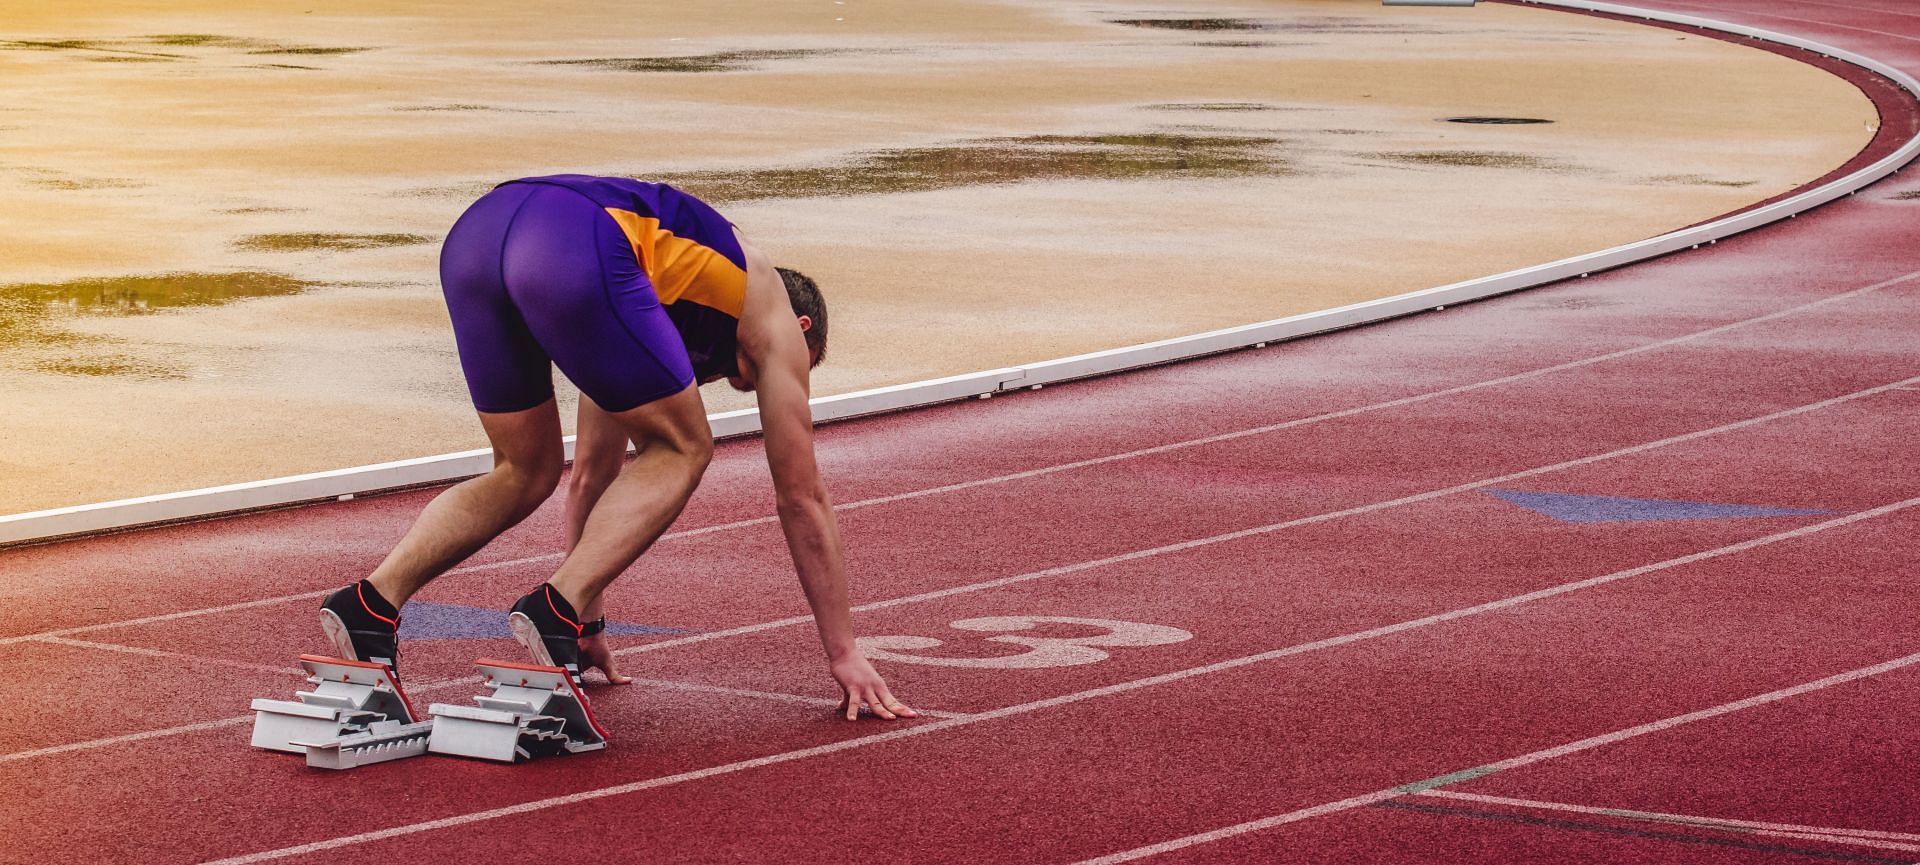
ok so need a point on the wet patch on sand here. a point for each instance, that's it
(320, 242)
(1699, 180)
(33, 317)
(1310, 24)
(988, 161)
(137, 295)
(1215, 106)
(244, 210)
(481, 108)
(85, 183)
(719, 61)
(1472, 159)
(109, 366)
(283, 66)
(1496, 121)
(139, 49)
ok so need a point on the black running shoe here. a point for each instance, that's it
(362, 625)
(547, 625)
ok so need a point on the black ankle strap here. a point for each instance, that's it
(588, 629)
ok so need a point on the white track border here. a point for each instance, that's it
(319, 486)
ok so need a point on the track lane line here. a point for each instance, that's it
(1830, 834)
(166, 655)
(1721, 10)
(1176, 676)
(1196, 543)
(1063, 467)
(1421, 787)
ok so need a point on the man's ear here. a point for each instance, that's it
(806, 323)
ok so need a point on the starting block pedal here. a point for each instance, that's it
(356, 714)
(532, 712)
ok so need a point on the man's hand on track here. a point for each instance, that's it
(861, 684)
(594, 653)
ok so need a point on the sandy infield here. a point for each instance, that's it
(222, 218)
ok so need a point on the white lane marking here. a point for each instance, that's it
(1838, 26)
(776, 696)
(1868, 9)
(1825, 833)
(1043, 652)
(1216, 539)
(1482, 771)
(1095, 693)
(161, 653)
(1080, 464)
(51, 750)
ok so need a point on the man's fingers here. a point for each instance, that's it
(852, 706)
(887, 700)
(879, 706)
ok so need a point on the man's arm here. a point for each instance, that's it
(776, 359)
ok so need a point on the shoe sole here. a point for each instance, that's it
(529, 638)
(337, 632)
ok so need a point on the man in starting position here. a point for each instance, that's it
(639, 293)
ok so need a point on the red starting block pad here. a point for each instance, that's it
(531, 712)
(356, 714)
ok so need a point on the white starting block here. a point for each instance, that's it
(356, 714)
(533, 712)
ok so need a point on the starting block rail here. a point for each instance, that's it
(355, 710)
(533, 711)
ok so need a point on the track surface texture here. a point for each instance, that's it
(1615, 570)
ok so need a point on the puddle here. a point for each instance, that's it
(1000, 160)
(1213, 106)
(283, 66)
(315, 242)
(463, 107)
(1700, 180)
(110, 366)
(308, 50)
(135, 295)
(32, 314)
(1497, 121)
(1204, 24)
(721, 61)
(1311, 24)
(1472, 159)
(88, 183)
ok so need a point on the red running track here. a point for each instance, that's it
(1380, 655)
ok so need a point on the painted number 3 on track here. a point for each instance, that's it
(1042, 652)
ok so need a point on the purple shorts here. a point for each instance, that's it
(536, 274)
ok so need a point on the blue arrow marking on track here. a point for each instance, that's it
(1571, 508)
(423, 621)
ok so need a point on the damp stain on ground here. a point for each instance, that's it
(1472, 159)
(34, 317)
(1309, 24)
(988, 161)
(720, 61)
(1913, 195)
(141, 49)
(1497, 121)
(463, 107)
(1699, 180)
(86, 183)
(319, 242)
(1213, 106)
(109, 365)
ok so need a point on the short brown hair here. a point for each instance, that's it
(804, 294)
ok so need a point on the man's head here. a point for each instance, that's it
(811, 308)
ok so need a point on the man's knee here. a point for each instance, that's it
(533, 477)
